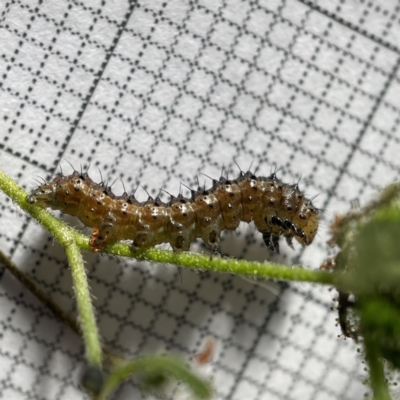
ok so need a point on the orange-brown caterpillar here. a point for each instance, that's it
(275, 207)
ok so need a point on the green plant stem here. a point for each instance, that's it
(64, 234)
(377, 376)
(122, 369)
(67, 238)
(111, 361)
(85, 308)
(160, 365)
(256, 270)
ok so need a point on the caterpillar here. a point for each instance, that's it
(276, 208)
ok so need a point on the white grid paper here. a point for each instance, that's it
(154, 93)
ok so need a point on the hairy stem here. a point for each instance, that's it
(251, 269)
(84, 303)
(67, 238)
(64, 234)
(111, 361)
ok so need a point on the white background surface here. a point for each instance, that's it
(154, 93)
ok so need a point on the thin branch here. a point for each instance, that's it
(64, 234)
(251, 269)
(111, 361)
(85, 308)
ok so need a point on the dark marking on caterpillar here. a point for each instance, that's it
(276, 208)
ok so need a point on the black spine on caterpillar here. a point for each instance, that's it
(277, 209)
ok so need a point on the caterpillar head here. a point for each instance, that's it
(57, 193)
(307, 222)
